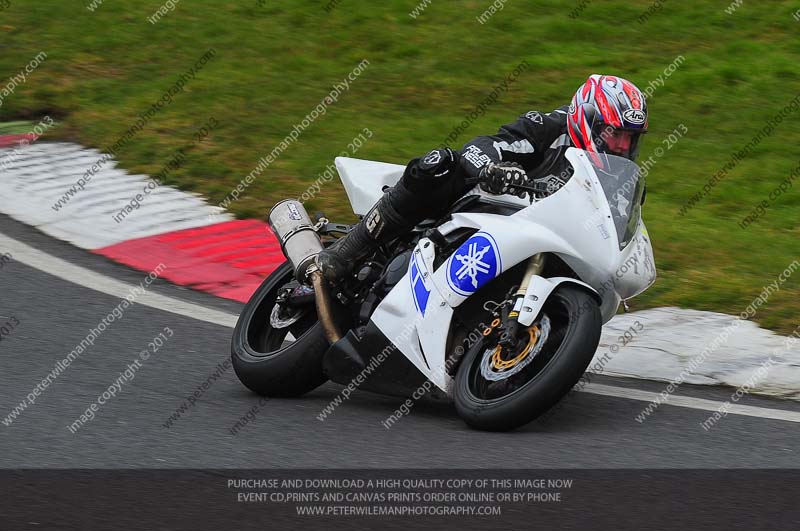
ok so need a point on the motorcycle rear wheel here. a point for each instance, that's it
(263, 360)
(575, 324)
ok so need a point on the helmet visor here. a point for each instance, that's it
(617, 141)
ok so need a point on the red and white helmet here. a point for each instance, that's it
(608, 114)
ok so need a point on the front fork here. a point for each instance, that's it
(535, 267)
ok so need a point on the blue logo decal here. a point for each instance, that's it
(419, 290)
(474, 264)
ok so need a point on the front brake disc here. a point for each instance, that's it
(491, 372)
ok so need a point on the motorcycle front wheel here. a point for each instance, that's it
(283, 361)
(501, 393)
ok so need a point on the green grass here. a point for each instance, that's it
(16, 128)
(275, 64)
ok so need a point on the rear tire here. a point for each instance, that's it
(261, 360)
(562, 364)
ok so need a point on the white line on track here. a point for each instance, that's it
(692, 403)
(89, 279)
(95, 281)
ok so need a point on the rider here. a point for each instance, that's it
(608, 114)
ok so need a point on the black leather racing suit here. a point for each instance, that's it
(430, 184)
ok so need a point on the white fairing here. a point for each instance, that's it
(364, 181)
(575, 223)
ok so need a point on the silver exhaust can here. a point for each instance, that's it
(295, 232)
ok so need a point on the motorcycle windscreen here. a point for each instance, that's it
(623, 185)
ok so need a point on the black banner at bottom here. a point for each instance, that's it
(399, 499)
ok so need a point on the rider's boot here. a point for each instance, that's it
(387, 220)
(418, 194)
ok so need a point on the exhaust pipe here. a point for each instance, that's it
(301, 244)
(324, 313)
(299, 241)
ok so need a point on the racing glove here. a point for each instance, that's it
(504, 178)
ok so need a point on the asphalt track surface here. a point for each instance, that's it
(589, 431)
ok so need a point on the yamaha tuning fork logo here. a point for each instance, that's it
(474, 264)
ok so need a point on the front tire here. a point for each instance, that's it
(260, 357)
(570, 347)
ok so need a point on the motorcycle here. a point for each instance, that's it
(498, 305)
